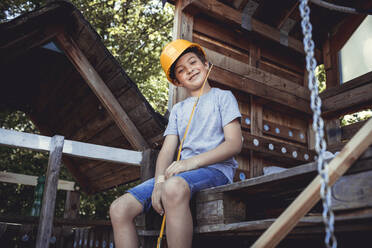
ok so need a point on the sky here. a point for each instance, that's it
(356, 55)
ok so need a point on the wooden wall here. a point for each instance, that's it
(266, 78)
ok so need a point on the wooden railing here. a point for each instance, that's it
(58, 146)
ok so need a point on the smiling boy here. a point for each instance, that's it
(214, 137)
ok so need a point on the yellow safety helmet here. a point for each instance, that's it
(172, 51)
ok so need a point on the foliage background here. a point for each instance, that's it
(134, 31)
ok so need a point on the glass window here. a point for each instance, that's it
(356, 55)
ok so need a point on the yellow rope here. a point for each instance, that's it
(180, 148)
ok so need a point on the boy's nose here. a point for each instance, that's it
(189, 70)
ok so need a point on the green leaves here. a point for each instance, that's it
(134, 31)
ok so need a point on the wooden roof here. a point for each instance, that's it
(38, 78)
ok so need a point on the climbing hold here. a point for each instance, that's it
(271, 147)
(294, 154)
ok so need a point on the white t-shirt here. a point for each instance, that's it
(215, 109)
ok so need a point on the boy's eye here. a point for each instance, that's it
(192, 61)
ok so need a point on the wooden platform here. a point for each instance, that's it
(242, 211)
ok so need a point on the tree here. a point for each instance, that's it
(134, 31)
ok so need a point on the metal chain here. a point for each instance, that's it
(318, 125)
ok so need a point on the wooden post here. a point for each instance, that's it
(49, 199)
(72, 205)
(256, 167)
(148, 164)
(333, 132)
(310, 196)
(182, 29)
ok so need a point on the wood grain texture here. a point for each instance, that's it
(50, 193)
(92, 78)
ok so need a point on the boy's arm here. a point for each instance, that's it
(165, 158)
(166, 155)
(230, 147)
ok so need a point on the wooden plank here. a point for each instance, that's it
(57, 221)
(72, 205)
(9, 177)
(253, 87)
(224, 209)
(360, 81)
(224, 12)
(275, 148)
(99, 87)
(50, 192)
(260, 225)
(256, 165)
(345, 30)
(276, 130)
(26, 42)
(347, 132)
(307, 199)
(251, 72)
(349, 101)
(287, 15)
(333, 135)
(352, 191)
(71, 148)
(184, 30)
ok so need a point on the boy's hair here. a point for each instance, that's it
(195, 50)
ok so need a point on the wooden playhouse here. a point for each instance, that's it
(257, 51)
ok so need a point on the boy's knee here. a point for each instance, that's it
(175, 190)
(125, 207)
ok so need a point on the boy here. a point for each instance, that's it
(214, 137)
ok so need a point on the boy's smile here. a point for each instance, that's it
(191, 72)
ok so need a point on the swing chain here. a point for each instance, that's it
(318, 125)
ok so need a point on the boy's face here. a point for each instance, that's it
(190, 71)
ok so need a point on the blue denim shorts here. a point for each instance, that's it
(197, 180)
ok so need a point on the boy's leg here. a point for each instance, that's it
(175, 198)
(122, 213)
(176, 195)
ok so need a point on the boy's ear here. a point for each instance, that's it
(207, 64)
(177, 83)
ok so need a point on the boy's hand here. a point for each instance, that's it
(156, 198)
(183, 165)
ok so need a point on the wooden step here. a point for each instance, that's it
(267, 196)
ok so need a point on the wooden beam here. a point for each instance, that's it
(347, 86)
(311, 195)
(35, 38)
(347, 132)
(50, 193)
(292, 175)
(346, 28)
(256, 162)
(71, 148)
(251, 72)
(351, 96)
(252, 228)
(287, 15)
(9, 177)
(256, 88)
(182, 29)
(87, 71)
(224, 12)
(275, 148)
(72, 205)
